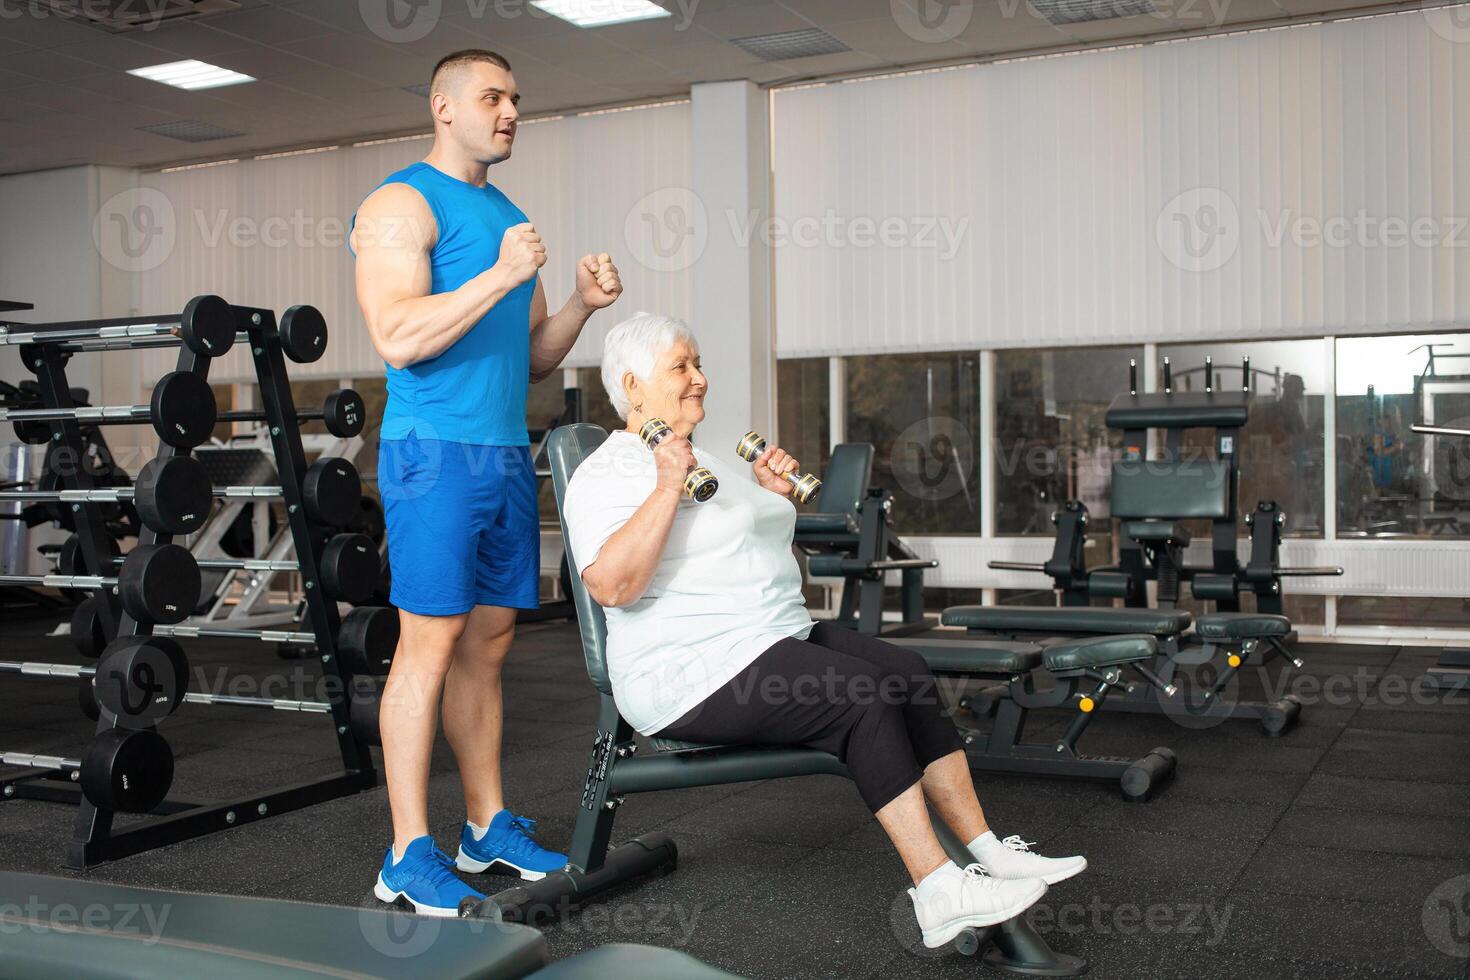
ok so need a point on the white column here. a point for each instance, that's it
(730, 308)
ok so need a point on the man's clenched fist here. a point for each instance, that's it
(597, 281)
(521, 252)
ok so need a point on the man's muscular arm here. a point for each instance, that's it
(393, 237)
(552, 337)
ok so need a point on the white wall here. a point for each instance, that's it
(271, 233)
(49, 257)
(1132, 195)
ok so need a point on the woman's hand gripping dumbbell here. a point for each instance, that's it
(675, 458)
(780, 467)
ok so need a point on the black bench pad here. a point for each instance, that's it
(825, 524)
(223, 937)
(1166, 532)
(959, 654)
(1241, 626)
(1102, 651)
(1068, 619)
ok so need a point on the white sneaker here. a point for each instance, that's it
(1012, 858)
(950, 900)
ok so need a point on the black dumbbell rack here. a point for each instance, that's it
(94, 838)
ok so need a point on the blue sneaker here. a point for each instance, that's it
(507, 845)
(424, 876)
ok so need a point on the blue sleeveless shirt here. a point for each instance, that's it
(474, 392)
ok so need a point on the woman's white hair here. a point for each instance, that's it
(634, 346)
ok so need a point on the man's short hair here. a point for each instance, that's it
(454, 61)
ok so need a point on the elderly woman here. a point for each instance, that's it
(708, 639)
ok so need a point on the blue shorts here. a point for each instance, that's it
(463, 526)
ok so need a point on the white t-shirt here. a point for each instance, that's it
(727, 585)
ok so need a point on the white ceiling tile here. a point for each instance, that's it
(37, 27)
(48, 66)
(751, 19)
(266, 25)
(191, 40)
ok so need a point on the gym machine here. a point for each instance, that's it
(1451, 671)
(1150, 497)
(847, 534)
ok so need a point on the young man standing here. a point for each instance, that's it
(447, 281)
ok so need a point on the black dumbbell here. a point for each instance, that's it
(366, 640)
(142, 680)
(206, 327)
(350, 567)
(181, 411)
(172, 495)
(157, 583)
(121, 770)
(343, 411)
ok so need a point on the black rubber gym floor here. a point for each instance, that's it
(1340, 850)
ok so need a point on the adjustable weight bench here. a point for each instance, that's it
(1239, 636)
(1084, 671)
(616, 771)
(71, 929)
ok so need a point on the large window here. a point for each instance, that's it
(1391, 480)
(921, 412)
(803, 423)
(1051, 443)
(1280, 452)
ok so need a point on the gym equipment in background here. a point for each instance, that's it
(1451, 672)
(174, 494)
(847, 534)
(1150, 497)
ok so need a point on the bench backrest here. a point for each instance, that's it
(567, 446)
(845, 480)
(1172, 490)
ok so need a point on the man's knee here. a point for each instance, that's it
(427, 643)
(487, 636)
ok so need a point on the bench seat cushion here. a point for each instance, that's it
(1102, 651)
(1068, 619)
(1241, 626)
(959, 654)
(825, 524)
